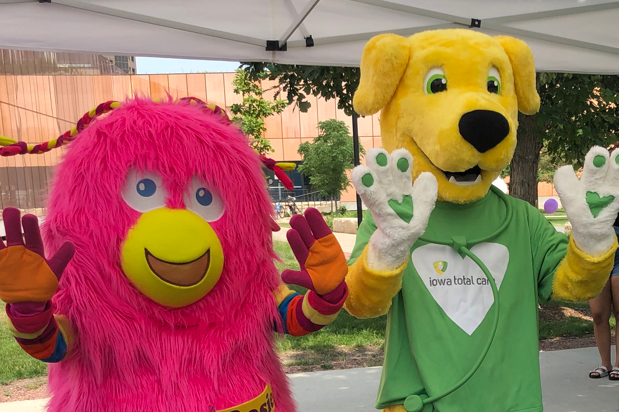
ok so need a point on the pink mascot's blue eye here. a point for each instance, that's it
(146, 188)
(204, 196)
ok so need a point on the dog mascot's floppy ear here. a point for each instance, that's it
(523, 65)
(383, 64)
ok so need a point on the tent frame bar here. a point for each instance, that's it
(569, 11)
(293, 10)
(416, 11)
(298, 21)
(550, 38)
(496, 24)
(349, 38)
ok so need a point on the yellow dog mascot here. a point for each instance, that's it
(456, 265)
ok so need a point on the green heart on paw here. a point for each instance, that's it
(597, 203)
(403, 209)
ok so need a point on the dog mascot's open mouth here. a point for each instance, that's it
(467, 178)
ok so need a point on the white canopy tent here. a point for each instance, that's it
(565, 35)
(580, 36)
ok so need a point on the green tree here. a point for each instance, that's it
(577, 112)
(254, 109)
(298, 82)
(547, 167)
(327, 158)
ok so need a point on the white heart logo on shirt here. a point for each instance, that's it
(458, 285)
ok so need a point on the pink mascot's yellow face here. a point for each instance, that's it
(173, 256)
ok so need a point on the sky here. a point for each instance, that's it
(155, 65)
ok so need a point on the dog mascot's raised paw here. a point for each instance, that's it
(386, 187)
(161, 293)
(591, 203)
(461, 279)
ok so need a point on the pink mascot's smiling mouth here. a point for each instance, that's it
(180, 274)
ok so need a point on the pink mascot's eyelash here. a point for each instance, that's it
(10, 147)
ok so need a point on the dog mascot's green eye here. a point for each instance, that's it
(494, 85)
(494, 81)
(436, 81)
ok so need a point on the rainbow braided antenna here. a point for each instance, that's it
(12, 147)
(207, 108)
(278, 168)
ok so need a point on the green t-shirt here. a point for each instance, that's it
(441, 320)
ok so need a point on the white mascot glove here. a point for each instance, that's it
(591, 203)
(388, 178)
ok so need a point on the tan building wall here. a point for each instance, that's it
(19, 62)
(36, 108)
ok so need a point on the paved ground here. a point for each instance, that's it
(565, 384)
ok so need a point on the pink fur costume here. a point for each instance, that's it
(131, 354)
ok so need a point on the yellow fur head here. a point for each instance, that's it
(451, 98)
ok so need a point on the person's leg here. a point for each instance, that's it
(614, 285)
(600, 311)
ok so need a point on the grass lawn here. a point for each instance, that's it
(345, 331)
(557, 221)
(334, 342)
(558, 218)
(338, 342)
(569, 327)
(14, 363)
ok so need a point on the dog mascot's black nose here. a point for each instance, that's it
(484, 129)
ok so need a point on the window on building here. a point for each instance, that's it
(302, 188)
(25, 188)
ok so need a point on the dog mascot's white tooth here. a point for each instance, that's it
(458, 266)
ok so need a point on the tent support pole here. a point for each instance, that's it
(357, 161)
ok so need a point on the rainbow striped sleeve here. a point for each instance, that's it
(44, 336)
(304, 314)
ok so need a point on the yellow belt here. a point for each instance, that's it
(262, 403)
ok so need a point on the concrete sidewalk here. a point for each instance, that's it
(565, 384)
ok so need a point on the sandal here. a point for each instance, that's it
(614, 374)
(602, 372)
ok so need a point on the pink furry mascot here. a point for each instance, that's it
(156, 290)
